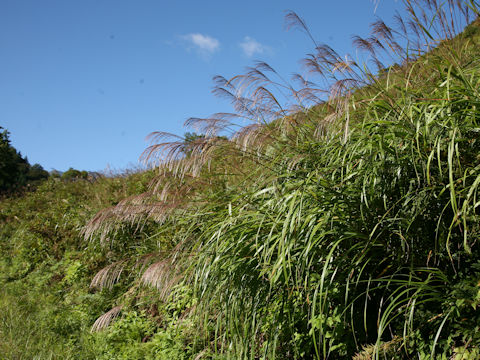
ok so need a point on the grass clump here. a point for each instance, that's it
(335, 225)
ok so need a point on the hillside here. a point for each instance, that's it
(340, 223)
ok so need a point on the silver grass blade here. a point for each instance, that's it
(106, 319)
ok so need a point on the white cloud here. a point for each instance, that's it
(251, 47)
(205, 44)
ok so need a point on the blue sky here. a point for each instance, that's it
(83, 82)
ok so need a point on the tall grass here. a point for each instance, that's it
(344, 218)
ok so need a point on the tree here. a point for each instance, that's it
(74, 174)
(15, 171)
(13, 167)
(36, 173)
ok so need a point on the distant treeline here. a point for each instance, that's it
(16, 173)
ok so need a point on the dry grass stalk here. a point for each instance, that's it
(133, 211)
(108, 276)
(261, 98)
(162, 275)
(368, 352)
(106, 319)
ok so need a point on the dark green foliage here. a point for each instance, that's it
(13, 167)
(36, 174)
(15, 171)
(73, 174)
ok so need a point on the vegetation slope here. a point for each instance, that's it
(341, 222)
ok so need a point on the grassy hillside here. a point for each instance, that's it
(342, 222)
(45, 267)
